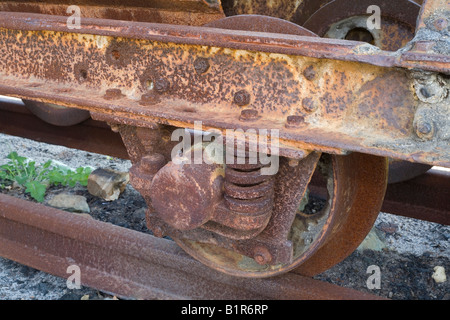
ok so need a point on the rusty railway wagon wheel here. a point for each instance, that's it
(55, 114)
(356, 184)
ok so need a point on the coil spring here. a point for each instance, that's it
(247, 191)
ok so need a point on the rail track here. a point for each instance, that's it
(356, 116)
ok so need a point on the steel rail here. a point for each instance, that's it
(135, 265)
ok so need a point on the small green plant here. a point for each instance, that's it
(37, 178)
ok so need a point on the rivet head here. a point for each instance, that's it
(201, 65)
(161, 85)
(424, 129)
(249, 115)
(242, 98)
(309, 105)
(294, 121)
(309, 73)
(262, 256)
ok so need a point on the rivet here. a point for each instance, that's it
(148, 99)
(242, 98)
(262, 256)
(201, 65)
(309, 105)
(424, 129)
(309, 73)
(161, 85)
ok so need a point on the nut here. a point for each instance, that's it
(113, 94)
(249, 115)
(294, 121)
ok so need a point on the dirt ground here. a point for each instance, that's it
(406, 251)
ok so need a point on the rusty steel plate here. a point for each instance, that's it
(361, 103)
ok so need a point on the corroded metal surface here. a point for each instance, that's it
(363, 105)
(178, 12)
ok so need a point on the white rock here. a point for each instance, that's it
(372, 242)
(107, 184)
(70, 202)
(439, 274)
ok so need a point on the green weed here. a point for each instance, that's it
(35, 179)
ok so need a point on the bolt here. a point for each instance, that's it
(113, 94)
(242, 98)
(161, 85)
(294, 121)
(201, 65)
(424, 128)
(440, 24)
(249, 115)
(262, 256)
(309, 73)
(309, 105)
(152, 163)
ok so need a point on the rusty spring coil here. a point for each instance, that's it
(247, 191)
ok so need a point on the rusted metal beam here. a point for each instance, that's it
(134, 265)
(177, 12)
(91, 135)
(426, 197)
(349, 95)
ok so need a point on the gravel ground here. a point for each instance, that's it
(406, 251)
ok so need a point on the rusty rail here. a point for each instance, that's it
(134, 265)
